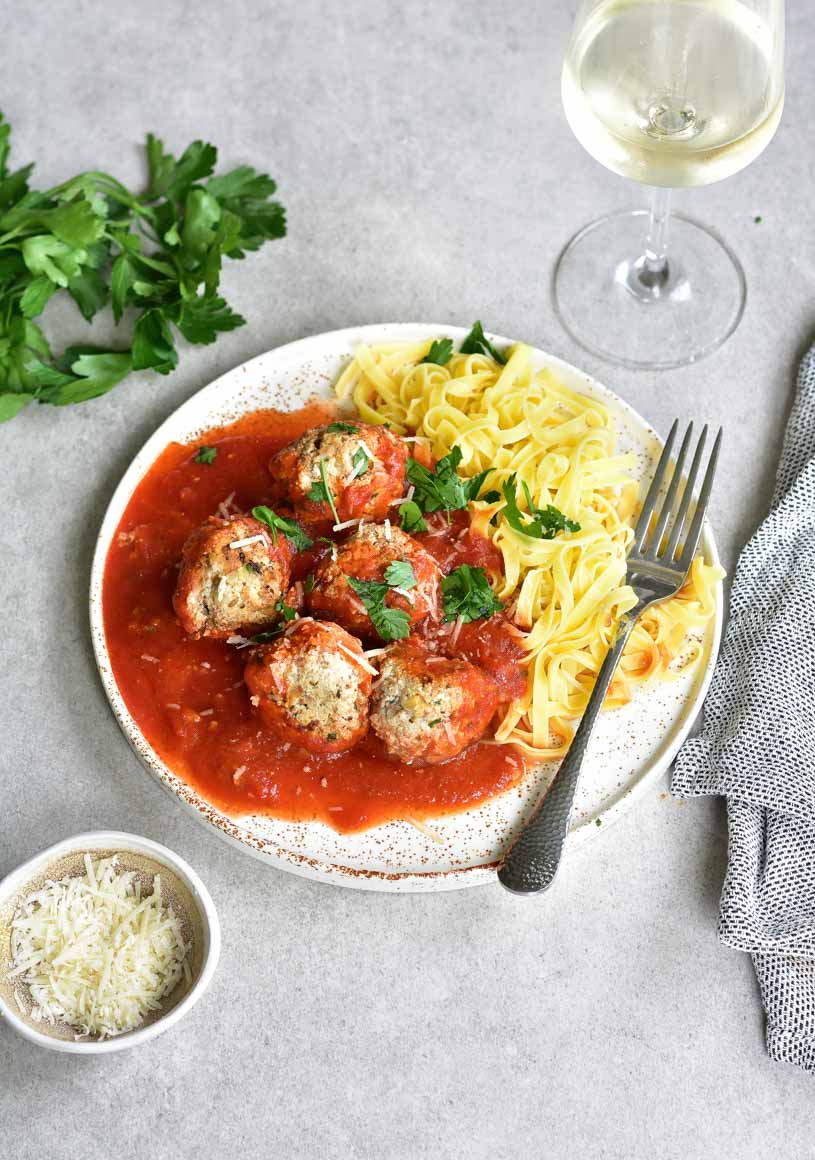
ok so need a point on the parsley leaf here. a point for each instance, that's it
(400, 574)
(440, 353)
(290, 528)
(390, 623)
(443, 489)
(309, 582)
(264, 637)
(361, 462)
(320, 492)
(541, 523)
(466, 593)
(410, 515)
(202, 319)
(349, 428)
(477, 342)
(206, 455)
(286, 611)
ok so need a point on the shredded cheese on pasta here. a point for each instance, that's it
(565, 594)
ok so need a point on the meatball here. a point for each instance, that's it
(309, 689)
(363, 465)
(365, 556)
(231, 576)
(427, 708)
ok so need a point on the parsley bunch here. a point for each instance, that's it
(158, 252)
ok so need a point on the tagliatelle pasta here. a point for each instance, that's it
(566, 594)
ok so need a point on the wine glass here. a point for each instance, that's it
(671, 93)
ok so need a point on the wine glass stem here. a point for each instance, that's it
(654, 268)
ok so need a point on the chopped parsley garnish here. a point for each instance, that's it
(411, 517)
(290, 528)
(466, 593)
(390, 623)
(400, 574)
(477, 342)
(348, 428)
(435, 721)
(286, 611)
(206, 455)
(361, 462)
(265, 637)
(321, 493)
(443, 489)
(541, 523)
(253, 567)
(440, 353)
(308, 583)
(757, 219)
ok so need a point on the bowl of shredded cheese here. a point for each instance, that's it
(106, 940)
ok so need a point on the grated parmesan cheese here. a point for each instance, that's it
(259, 539)
(94, 954)
(433, 835)
(404, 592)
(225, 509)
(360, 660)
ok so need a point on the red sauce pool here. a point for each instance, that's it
(187, 696)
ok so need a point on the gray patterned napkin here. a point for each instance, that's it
(757, 747)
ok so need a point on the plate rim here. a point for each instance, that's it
(265, 849)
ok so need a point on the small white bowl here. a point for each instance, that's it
(194, 906)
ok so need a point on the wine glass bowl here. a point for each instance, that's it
(669, 93)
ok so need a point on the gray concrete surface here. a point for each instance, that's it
(429, 174)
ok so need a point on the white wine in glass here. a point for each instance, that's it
(670, 93)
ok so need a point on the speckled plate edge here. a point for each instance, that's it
(231, 829)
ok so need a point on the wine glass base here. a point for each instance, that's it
(614, 307)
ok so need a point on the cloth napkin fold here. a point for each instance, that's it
(757, 747)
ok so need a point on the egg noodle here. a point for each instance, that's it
(565, 594)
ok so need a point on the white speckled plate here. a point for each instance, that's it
(632, 745)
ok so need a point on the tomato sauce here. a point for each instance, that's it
(187, 696)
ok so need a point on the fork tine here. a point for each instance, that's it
(641, 530)
(687, 496)
(655, 539)
(692, 538)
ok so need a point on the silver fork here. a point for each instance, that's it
(655, 572)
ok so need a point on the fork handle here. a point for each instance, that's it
(532, 862)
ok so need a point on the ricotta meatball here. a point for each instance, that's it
(311, 687)
(426, 708)
(231, 576)
(362, 466)
(366, 556)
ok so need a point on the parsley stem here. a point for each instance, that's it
(328, 494)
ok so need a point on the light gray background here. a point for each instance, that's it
(429, 175)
